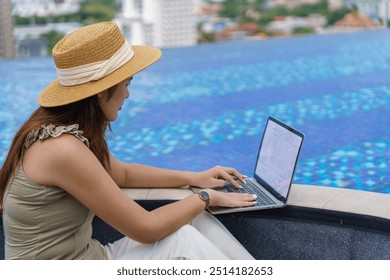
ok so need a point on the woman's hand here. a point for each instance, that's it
(217, 177)
(224, 199)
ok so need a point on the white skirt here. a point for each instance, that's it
(205, 238)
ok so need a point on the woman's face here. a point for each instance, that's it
(111, 106)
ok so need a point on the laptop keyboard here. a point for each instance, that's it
(250, 187)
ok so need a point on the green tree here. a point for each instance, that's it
(108, 3)
(52, 38)
(302, 30)
(305, 10)
(21, 20)
(269, 15)
(333, 16)
(233, 8)
(236, 9)
(92, 13)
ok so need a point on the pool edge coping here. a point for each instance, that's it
(311, 196)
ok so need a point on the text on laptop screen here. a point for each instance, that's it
(277, 157)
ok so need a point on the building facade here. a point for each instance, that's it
(44, 8)
(7, 42)
(160, 23)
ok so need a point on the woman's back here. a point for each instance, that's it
(44, 222)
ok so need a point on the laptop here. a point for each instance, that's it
(275, 166)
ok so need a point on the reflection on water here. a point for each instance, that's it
(207, 105)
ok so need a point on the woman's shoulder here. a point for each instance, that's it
(51, 131)
(55, 155)
(50, 144)
(59, 148)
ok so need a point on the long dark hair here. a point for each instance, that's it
(86, 113)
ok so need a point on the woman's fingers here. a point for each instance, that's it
(218, 176)
(244, 199)
(227, 173)
(235, 199)
(236, 174)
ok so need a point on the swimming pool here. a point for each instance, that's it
(207, 105)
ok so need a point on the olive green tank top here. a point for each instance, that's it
(44, 222)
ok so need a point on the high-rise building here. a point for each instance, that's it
(7, 42)
(160, 23)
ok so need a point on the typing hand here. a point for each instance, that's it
(217, 177)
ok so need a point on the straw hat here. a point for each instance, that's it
(93, 59)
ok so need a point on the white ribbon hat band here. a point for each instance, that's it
(96, 70)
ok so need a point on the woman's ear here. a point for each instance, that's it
(102, 93)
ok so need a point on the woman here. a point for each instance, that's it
(59, 173)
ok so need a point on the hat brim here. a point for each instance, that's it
(56, 94)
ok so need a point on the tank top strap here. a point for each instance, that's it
(46, 131)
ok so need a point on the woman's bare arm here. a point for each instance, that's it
(67, 163)
(141, 176)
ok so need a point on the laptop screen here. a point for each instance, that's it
(278, 156)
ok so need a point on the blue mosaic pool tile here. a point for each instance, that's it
(241, 123)
(207, 105)
(372, 165)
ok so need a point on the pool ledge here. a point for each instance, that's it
(321, 197)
